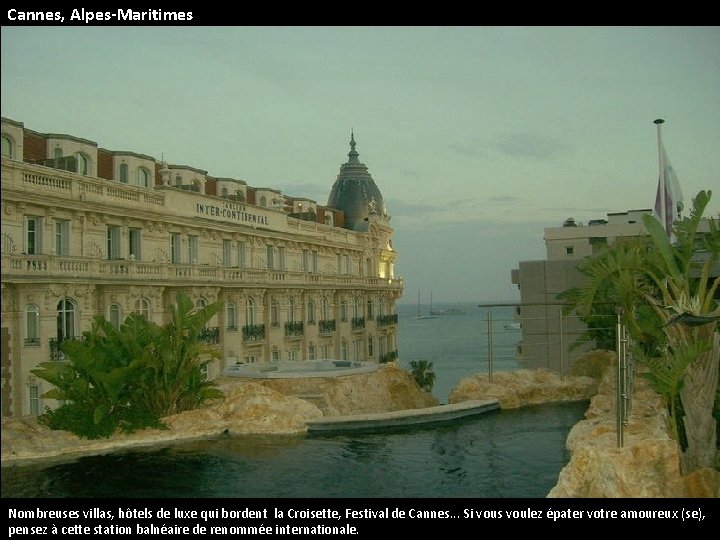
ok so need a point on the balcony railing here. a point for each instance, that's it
(210, 335)
(56, 354)
(387, 320)
(327, 326)
(253, 332)
(358, 323)
(294, 329)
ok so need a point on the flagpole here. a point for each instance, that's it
(662, 181)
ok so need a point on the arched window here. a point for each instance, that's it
(142, 306)
(143, 177)
(250, 312)
(231, 316)
(7, 146)
(32, 325)
(115, 315)
(200, 303)
(343, 310)
(65, 319)
(323, 310)
(311, 312)
(83, 164)
(263, 201)
(291, 310)
(124, 173)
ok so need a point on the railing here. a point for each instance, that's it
(386, 320)
(88, 267)
(210, 335)
(626, 382)
(357, 323)
(253, 332)
(56, 353)
(327, 326)
(294, 329)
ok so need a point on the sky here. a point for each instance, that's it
(478, 137)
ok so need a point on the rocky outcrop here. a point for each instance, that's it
(249, 407)
(524, 387)
(647, 464)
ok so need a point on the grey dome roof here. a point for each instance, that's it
(355, 192)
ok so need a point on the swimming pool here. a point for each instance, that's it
(298, 370)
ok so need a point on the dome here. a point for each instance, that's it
(355, 192)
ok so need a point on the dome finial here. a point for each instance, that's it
(353, 155)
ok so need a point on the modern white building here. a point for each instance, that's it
(88, 231)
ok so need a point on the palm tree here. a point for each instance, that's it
(422, 372)
(666, 297)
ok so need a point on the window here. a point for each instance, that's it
(7, 146)
(83, 164)
(175, 244)
(314, 262)
(33, 235)
(382, 307)
(281, 259)
(57, 152)
(347, 265)
(291, 310)
(200, 303)
(178, 181)
(357, 346)
(311, 312)
(142, 306)
(224, 193)
(65, 319)
(311, 352)
(305, 260)
(250, 312)
(370, 315)
(32, 326)
(383, 346)
(343, 350)
(275, 356)
(62, 237)
(370, 346)
(134, 244)
(263, 201)
(231, 316)
(241, 254)
(355, 308)
(269, 255)
(323, 310)
(115, 315)
(274, 314)
(192, 249)
(227, 253)
(343, 310)
(113, 241)
(326, 351)
(292, 355)
(569, 250)
(124, 173)
(34, 395)
(143, 177)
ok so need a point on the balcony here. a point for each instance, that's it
(253, 332)
(387, 320)
(357, 324)
(211, 336)
(294, 329)
(327, 326)
(56, 353)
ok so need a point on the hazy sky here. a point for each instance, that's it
(478, 137)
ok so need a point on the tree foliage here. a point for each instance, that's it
(666, 296)
(422, 372)
(129, 378)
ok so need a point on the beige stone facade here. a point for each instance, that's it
(88, 231)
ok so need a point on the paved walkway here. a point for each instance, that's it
(408, 417)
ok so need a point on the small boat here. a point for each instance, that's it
(513, 326)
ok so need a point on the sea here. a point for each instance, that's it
(501, 454)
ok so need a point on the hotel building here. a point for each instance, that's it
(88, 231)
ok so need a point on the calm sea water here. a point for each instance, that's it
(501, 454)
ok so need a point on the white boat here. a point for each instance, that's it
(513, 326)
(421, 316)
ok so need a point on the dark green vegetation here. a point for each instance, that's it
(129, 378)
(666, 297)
(422, 372)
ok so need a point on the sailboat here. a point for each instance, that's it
(421, 316)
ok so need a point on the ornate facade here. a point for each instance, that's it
(88, 231)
